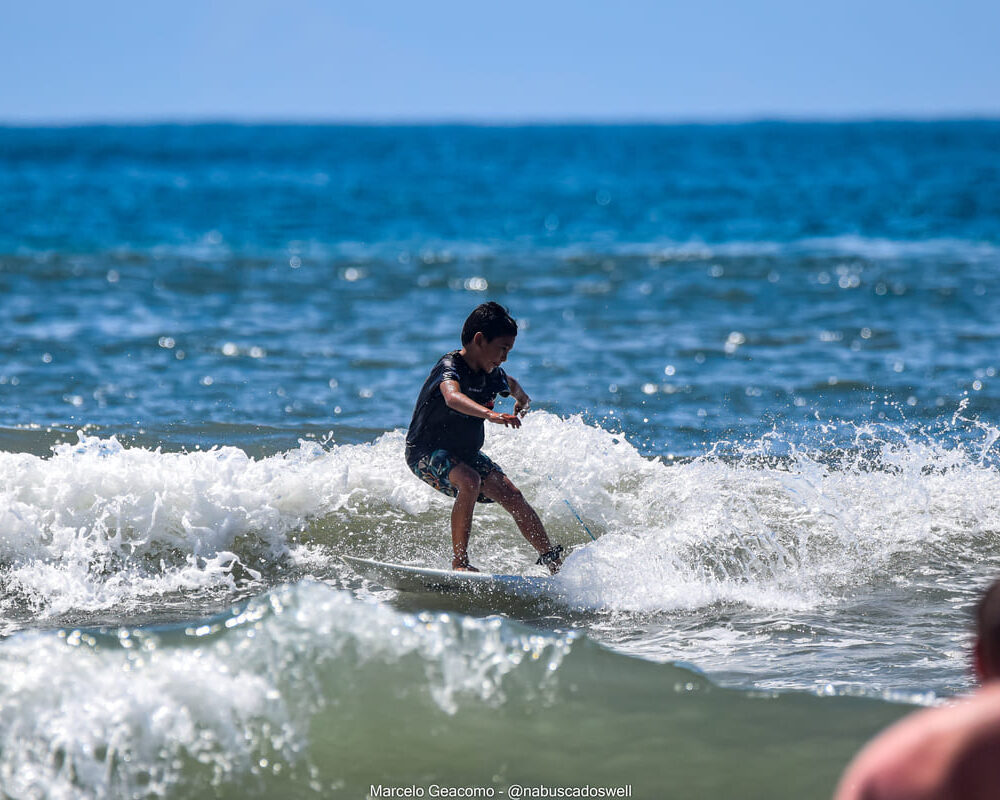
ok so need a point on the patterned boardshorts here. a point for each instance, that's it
(434, 468)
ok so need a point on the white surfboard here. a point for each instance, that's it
(421, 579)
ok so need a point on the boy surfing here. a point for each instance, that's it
(446, 433)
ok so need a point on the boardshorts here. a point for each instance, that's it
(433, 470)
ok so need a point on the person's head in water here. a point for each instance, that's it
(940, 753)
(488, 336)
(986, 656)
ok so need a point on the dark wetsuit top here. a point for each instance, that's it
(436, 427)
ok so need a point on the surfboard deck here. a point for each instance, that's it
(422, 579)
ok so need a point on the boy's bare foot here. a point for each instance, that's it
(462, 566)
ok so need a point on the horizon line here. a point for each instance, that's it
(527, 121)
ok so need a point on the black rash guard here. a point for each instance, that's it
(435, 426)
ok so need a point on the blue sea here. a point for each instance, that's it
(764, 367)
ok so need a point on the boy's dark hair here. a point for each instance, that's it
(490, 319)
(988, 628)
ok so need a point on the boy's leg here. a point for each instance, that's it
(498, 487)
(467, 481)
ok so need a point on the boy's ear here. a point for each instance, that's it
(479, 339)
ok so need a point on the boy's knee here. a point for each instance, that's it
(467, 480)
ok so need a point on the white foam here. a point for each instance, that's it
(100, 526)
(148, 714)
(782, 535)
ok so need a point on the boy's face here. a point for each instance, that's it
(494, 352)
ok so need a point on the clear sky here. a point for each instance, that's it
(422, 60)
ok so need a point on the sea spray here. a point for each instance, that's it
(705, 550)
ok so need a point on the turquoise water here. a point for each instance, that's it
(763, 363)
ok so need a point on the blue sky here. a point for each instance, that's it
(67, 61)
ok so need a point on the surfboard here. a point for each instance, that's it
(422, 579)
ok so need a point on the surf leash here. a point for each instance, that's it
(578, 518)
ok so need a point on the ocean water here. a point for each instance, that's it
(763, 363)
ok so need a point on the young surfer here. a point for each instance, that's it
(447, 432)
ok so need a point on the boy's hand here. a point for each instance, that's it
(510, 420)
(521, 405)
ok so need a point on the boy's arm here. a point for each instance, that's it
(459, 401)
(521, 399)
